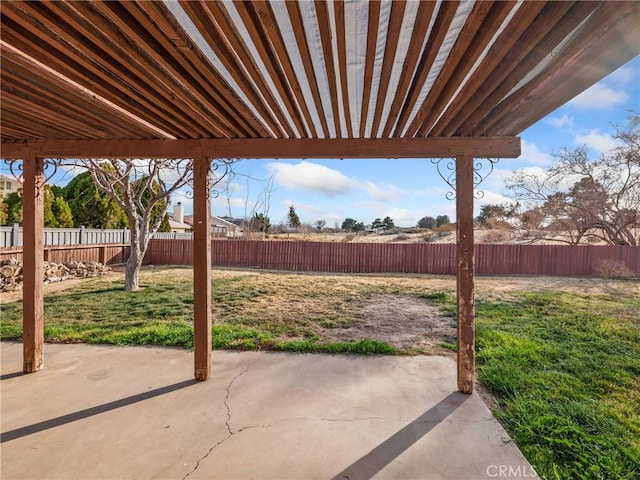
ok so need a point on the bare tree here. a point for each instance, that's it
(320, 224)
(579, 197)
(256, 220)
(143, 188)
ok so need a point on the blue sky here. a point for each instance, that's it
(407, 190)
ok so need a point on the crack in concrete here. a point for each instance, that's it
(249, 427)
(226, 398)
(307, 419)
(227, 422)
(206, 455)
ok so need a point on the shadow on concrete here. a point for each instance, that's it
(381, 456)
(90, 412)
(7, 376)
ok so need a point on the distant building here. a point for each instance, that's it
(219, 227)
(176, 220)
(8, 185)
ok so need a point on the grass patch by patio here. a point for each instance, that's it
(250, 312)
(565, 369)
(564, 366)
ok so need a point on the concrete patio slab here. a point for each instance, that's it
(99, 412)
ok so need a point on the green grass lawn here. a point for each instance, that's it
(564, 367)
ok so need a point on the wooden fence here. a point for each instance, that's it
(11, 236)
(111, 254)
(491, 259)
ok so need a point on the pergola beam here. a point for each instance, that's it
(430, 147)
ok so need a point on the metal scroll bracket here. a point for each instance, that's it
(482, 168)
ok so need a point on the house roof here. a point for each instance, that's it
(215, 222)
(298, 69)
(179, 225)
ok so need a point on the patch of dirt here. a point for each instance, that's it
(401, 321)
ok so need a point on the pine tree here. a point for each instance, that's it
(292, 219)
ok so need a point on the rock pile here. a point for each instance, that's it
(11, 272)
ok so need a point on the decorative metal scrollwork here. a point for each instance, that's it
(482, 168)
(50, 167)
(211, 193)
(15, 167)
(447, 173)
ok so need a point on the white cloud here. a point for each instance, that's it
(436, 191)
(600, 142)
(384, 192)
(564, 184)
(327, 181)
(236, 206)
(599, 96)
(402, 217)
(492, 198)
(311, 176)
(624, 75)
(534, 172)
(533, 156)
(565, 121)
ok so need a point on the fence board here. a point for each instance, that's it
(110, 254)
(491, 259)
(439, 259)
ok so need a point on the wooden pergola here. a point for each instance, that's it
(322, 79)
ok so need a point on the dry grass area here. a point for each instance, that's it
(426, 236)
(397, 309)
(487, 287)
(440, 235)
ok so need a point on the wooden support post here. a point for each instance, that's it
(465, 273)
(32, 261)
(201, 268)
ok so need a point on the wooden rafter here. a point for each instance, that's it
(586, 59)
(303, 47)
(420, 29)
(200, 69)
(541, 18)
(342, 64)
(279, 52)
(462, 57)
(327, 49)
(437, 35)
(393, 35)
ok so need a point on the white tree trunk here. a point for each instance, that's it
(134, 262)
(132, 273)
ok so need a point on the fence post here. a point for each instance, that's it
(13, 242)
(81, 235)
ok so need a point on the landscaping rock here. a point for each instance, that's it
(11, 272)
